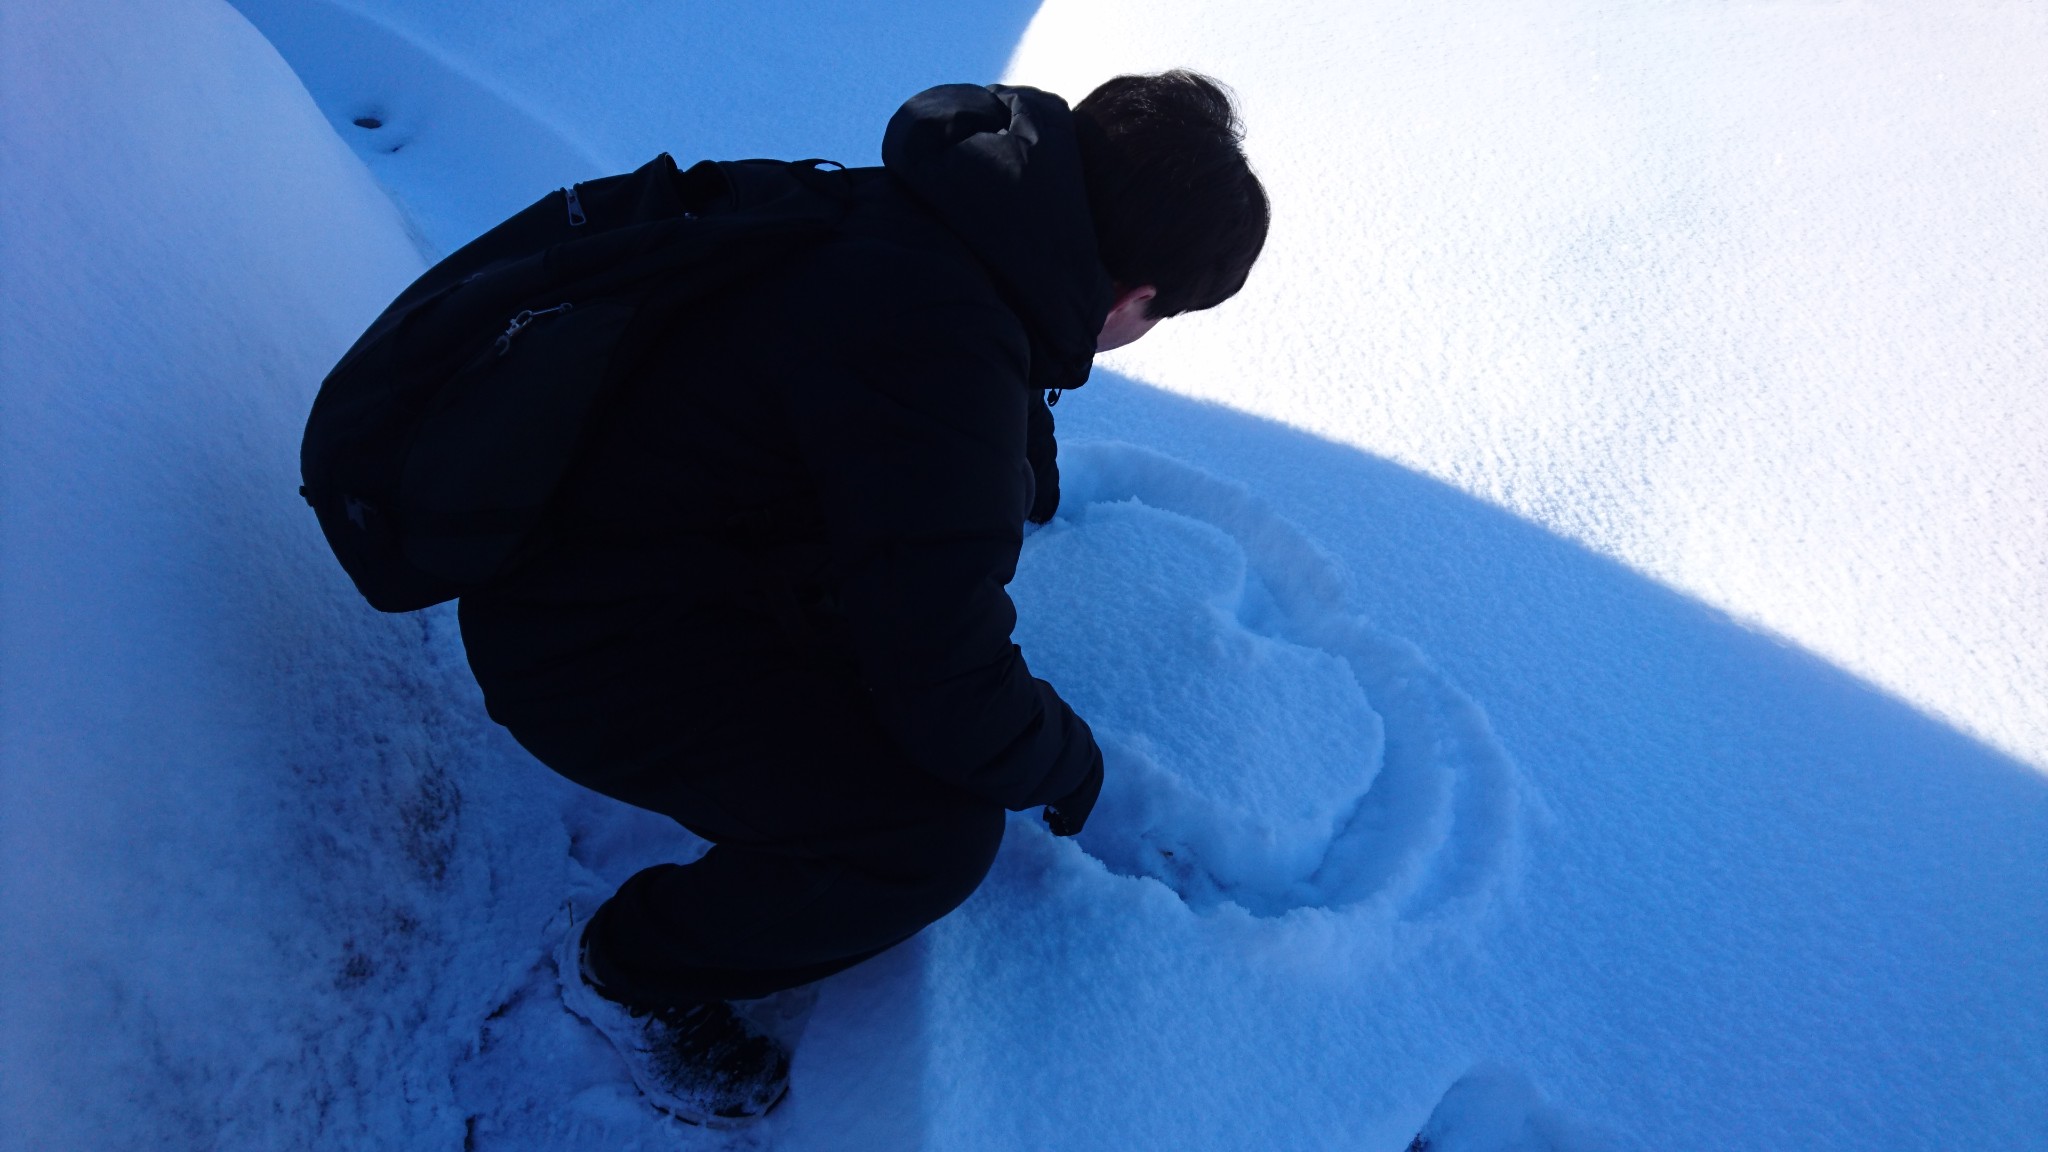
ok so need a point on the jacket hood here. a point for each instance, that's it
(1000, 166)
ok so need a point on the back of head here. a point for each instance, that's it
(1175, 202)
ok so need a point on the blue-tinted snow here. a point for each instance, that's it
(1476, 833)
(264, 866)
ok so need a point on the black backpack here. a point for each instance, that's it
(436, 445)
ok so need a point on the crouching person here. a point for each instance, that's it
(771, 600)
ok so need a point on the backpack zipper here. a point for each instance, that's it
(576, 215)
(520, 322)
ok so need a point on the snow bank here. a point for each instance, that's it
(455, 153)
(1746, 297)
(483, 107)
(1759, 896)
(263, 866)
(271, 881)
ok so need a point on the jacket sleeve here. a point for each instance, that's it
(914, 442)
(1042, 451)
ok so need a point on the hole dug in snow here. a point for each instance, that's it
(1263, 746)
(1234, 758)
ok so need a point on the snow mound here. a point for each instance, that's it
(1265, 746)
(263, 859)
(1194, 795)
(454, 152)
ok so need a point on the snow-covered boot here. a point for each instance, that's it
(702, 1063)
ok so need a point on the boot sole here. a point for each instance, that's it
(564, 966)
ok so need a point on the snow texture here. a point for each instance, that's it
(459, 156)
(1747, 296)
(1265, 746)
(264, 866)
(1566, 642)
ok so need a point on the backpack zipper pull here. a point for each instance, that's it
(576, 215)
(520, 322)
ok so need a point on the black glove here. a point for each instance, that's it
(1065, 816)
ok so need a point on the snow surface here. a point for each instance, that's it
(1548, 372)
(263, 866)
(1749, 296)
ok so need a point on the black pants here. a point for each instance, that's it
(828, 847)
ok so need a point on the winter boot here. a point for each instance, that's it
(701, 1063)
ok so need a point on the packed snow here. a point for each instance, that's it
(1567, 642)
(1201, 609)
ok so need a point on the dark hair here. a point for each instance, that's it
(1176, 204)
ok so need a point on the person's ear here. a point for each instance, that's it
(1127, 320)
(1132, 301)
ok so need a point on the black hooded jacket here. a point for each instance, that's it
(833, 463)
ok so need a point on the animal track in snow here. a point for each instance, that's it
(1265, 745)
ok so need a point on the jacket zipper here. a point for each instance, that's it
(520, 322)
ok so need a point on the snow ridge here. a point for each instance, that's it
(1419, 819)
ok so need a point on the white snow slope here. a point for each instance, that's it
(263, 867)
(1747, 296)
(1583, 329)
